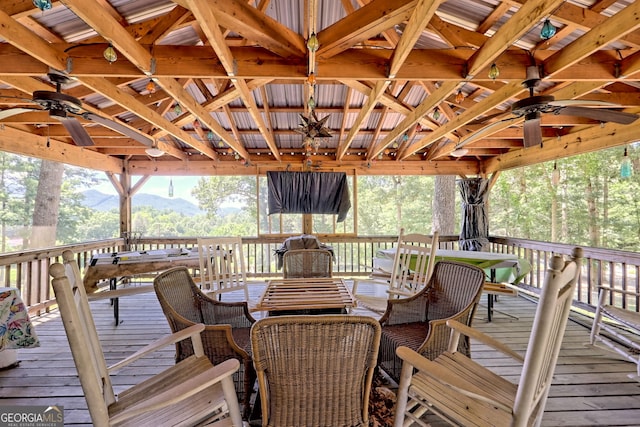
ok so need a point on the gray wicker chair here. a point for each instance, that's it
(301, 263)
(315, 370)
(419, 322)
(227, 326)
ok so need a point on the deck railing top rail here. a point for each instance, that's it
(28, 269)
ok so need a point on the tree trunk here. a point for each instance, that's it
(47, 205)
(592, 209)
(444, 205)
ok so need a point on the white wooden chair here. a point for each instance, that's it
(465, 393)
(222, 266)
(189, 393)
(413, 263)
(617, 329)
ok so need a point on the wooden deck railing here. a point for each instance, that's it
(29, 270)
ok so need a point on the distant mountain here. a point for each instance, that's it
(94, 199)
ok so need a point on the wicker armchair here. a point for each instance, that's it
(227, 326)
(315, 370)
(419, 322)
(302, 263)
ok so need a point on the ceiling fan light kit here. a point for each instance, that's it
(154, 152)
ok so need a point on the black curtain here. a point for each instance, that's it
(475, 227)
(309, 193)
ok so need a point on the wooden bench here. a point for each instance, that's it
(621, 327)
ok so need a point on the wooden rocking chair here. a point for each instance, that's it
(465, 393)
(193, 392)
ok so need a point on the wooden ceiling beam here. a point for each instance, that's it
(27, 144)
(113, 31)
(363, 24)
(165, 25)
(527, 16)
(418, 20)
(586, 140)
(112, 92)
(365, 110)
(254, 25)
(623, 22)
(203, 11)
(179, 93)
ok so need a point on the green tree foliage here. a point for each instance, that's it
(595, 206)
(387, 203)
(523, 203)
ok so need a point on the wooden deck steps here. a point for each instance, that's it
(590, 388)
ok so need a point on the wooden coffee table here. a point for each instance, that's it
(306, 296)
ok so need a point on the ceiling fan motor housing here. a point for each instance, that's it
(57, 101)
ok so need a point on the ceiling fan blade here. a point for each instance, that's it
(487, 130)
(532, 132)
(485, 119)
(600, 114)
(581, 102)
(15, 111)
(111, 124)
(76, 130)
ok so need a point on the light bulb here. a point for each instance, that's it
(494, 72)
(42, 4)
(436, 114)
(170, 187)
(311, 103)
(548, 30)
(459, 97)
(110, 54)
(177, 109)
(311, 79)
(625, 166)
(313, 44)
(151, 86)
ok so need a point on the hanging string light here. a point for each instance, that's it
(177, 109)
(42, 4)
(548, 30)
(555, 174)
(625, 165)
(459, 97)
(151, 86)
(313, 44)
(311, 79)
(210, 136)
(494, 72)
(170, 187)
(436, 114)
(311, 103)
(110, 54)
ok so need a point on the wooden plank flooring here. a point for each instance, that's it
(590, 387)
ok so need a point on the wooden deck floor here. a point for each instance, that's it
(589, 389)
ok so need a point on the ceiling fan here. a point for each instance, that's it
(532, 108)
(66, 108)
